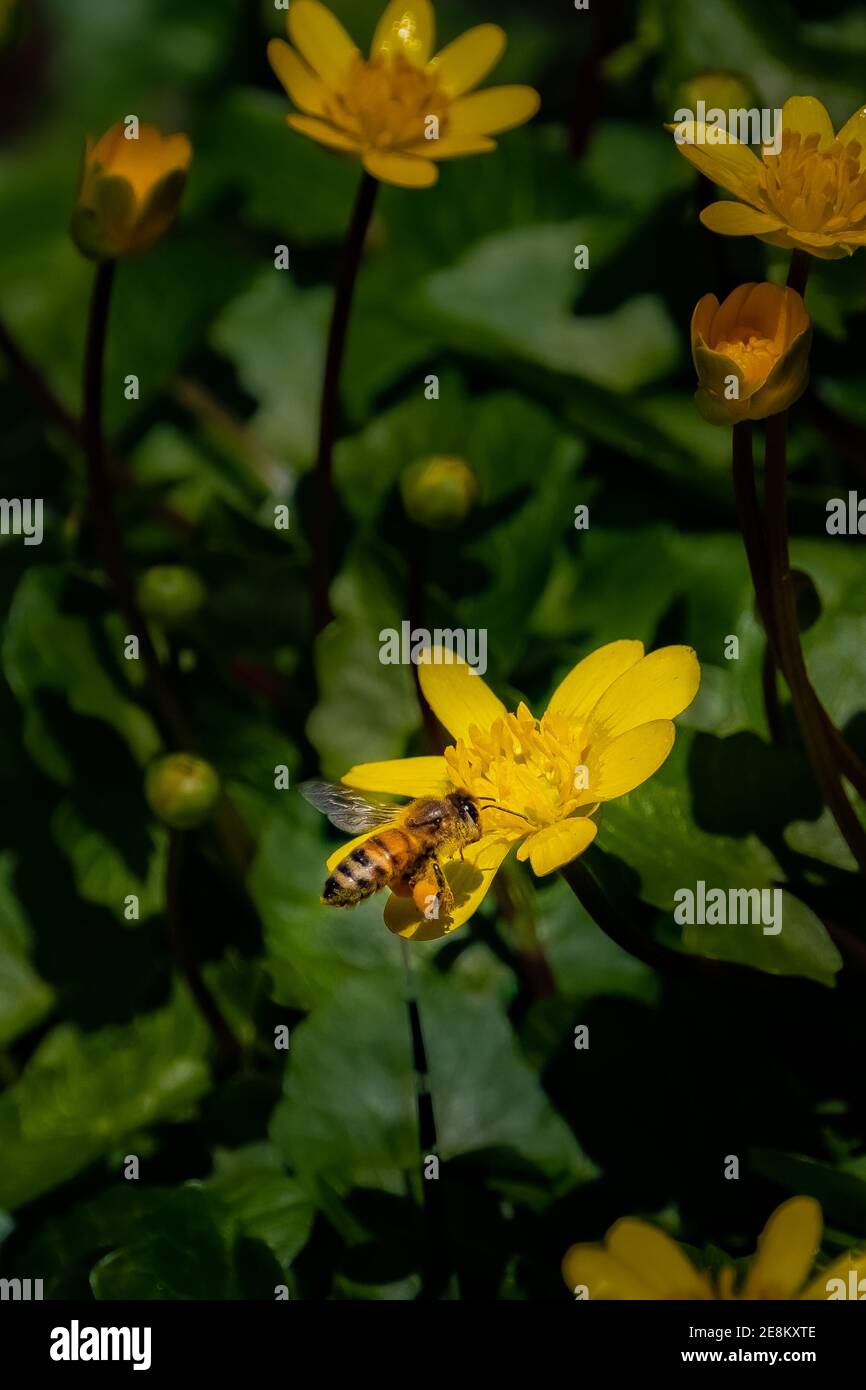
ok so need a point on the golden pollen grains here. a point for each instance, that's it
(402, 108)
(388, 103)
(751, 353)
(129, 189)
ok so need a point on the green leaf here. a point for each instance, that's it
(652, 831)
(621, 351)
(585, 962)
(356, 689)
(25, 999)
(258, 1198)
(274, 333)
(103, 873)
(179, 1253)
(348, 1116)
(47, 650)
(81, 1094)
(842, 1195)
(312, 951)
(288, 185)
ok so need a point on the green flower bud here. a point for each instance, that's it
(438, 492)
(181, 790)
(171, 595)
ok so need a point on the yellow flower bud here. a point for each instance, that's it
(751, 353)
(725, 91)
(438, 492)
(129, 189)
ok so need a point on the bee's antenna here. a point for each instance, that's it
(494, 806)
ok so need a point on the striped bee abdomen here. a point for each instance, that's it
(368, 868)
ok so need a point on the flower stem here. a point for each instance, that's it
(821, 746)
(798, 271)
(184, 959)
(100, 511)
(352, 253)
(749, 513)
(755, 540)
(436, 1228)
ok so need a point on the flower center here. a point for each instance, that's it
(754, 355)
(533, 766)
(815, 190)
(387, 102)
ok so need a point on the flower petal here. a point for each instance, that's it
(725, 160)
(558, 844)
(714, 369)
(854, 128)
(464, 63)
(786, 1251)
(324, 133)
(808, 116)
(703, 317)
(406, 171)
(655, 1259)
(469, 878)
(586, 682)
(458, 698)
(401, 777)
(593, 1268)
(451, 147)
(839, 1269)
(321, 39)
(407, 27)
(497, 109)
(660, 686)
(786, 382)
(735, 219)
(618, 766)
(730, 311)
(302, 85)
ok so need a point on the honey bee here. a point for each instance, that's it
(407, 856)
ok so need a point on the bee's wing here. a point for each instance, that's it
(348, 809)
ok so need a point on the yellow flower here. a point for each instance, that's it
(757, 344)
(811, 195)
(637, 1261)
(607, 729)
(128, 191)
(401, 108)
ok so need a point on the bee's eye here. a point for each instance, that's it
(470, 811)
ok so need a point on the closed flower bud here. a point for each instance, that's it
(751, 353)
(181, 790)
(438, 492)
(722, 91)
(171, 595)
(129, 189)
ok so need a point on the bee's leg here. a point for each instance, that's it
(430, 890)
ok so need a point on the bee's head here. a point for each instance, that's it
(466, 808)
